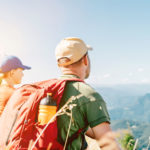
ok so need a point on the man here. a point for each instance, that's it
(90, 111)
(11, 73)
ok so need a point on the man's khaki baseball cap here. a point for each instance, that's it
(72, 48)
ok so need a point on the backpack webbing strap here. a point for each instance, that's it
(75, 135)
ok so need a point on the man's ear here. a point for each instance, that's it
(85, 60)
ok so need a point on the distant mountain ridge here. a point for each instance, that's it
(140, 110)
(129, 107)
(123, 96)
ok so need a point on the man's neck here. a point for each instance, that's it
(76, 73)
(70, 73)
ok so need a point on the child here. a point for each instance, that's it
(11, 73)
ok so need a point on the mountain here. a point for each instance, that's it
(129, 108)
(139, 111)
(127, 101)
(122, 95)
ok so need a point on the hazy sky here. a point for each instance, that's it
(118, 31)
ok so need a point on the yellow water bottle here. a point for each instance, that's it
(47, 109)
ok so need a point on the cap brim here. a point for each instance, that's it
(89, 47)
(26, 67)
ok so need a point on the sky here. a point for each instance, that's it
(118, 31)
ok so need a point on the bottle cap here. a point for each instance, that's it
(49, 94)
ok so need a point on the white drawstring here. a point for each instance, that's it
(68, 131)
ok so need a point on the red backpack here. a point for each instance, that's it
(18, 125)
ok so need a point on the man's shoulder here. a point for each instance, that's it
(83, 87)
(86, 88)
(88, 92)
